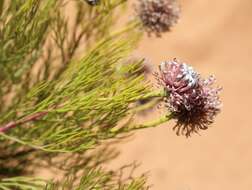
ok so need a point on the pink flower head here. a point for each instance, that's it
(192, 100)
(158, 16)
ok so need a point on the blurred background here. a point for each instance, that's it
(216, 38)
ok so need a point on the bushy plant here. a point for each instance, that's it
(68, 84)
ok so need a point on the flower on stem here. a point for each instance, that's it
(192, 100)
(158, 16)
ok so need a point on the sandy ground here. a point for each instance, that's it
(215, 37)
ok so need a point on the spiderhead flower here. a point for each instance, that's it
(158, 16)
(192, 100)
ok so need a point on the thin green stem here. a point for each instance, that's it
(154, 123)
(126, 29)
(145, 106)
(154, 94)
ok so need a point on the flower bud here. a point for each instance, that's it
(158, 16)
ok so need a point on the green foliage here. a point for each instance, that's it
(24, 27)
(100, 180)
(38, 40)
(81, 106)
(95, 179)
(65, 88)
(23, 30)
(21, 183)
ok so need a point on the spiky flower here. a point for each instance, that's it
(192, 100)
(158, 16)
